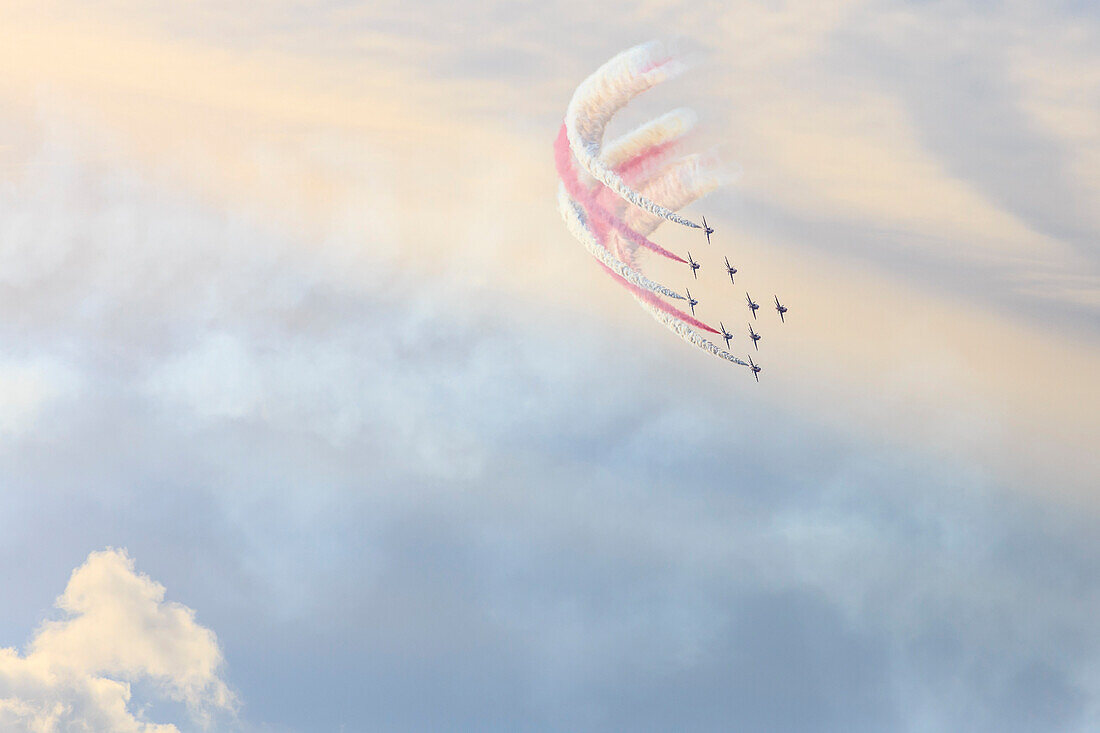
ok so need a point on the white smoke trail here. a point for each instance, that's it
(596, 101)
(676, 185)
(664, 129)
(641, 151)
(574, 220)
(645, 156)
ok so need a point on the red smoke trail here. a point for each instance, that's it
(632, 171)
(629, 168)
(563, 158)
(657, 303)
(601, 221)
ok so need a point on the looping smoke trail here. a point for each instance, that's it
(574, 216)
(593, 207)
(676, 320)
(678, 185)
(599, 97)
(666, 128)
(641, 168)
(635, 156)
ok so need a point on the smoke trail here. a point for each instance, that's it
(639, 168)
(598, 98)
(575, 219)
(649, 298)
(634, 156)
(664, 129)
(573, 215)
(675, 185)
(592, 206)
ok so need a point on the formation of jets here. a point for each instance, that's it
(753, 306)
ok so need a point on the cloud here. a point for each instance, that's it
(447, 515)
(422, 486)
(76, 673)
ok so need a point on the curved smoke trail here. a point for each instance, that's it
(575, 220)
(677, 184)
(677, 321)
(596, 209)
(666, 128)
(597, 100)
(610, 203)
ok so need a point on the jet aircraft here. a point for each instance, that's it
(691, 301)
(694, 266)
(755, 337)
(709, 230)
(752, 306)
(725, 334)
(730, 270)
(755, 369)
(780, 309)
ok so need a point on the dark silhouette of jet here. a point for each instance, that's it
(731, 271)
(694, 266)
(755, 369)
(752, 306)
(725, 334)
(780, 309)
(691, 301)
(755, 337)
(707, 229)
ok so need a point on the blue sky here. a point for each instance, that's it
(289, 315)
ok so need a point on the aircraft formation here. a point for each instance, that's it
(752, 305)
(608, 194)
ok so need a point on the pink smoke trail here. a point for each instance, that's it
(635, 168)
(648, 297)
(596, 101)
(634, 171)
(601, 222)
(573, 215)
(595, 210)
(600, 231)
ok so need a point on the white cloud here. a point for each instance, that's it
(77, 672)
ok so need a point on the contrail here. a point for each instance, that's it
(599, 97)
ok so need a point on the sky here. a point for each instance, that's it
(314, 417)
